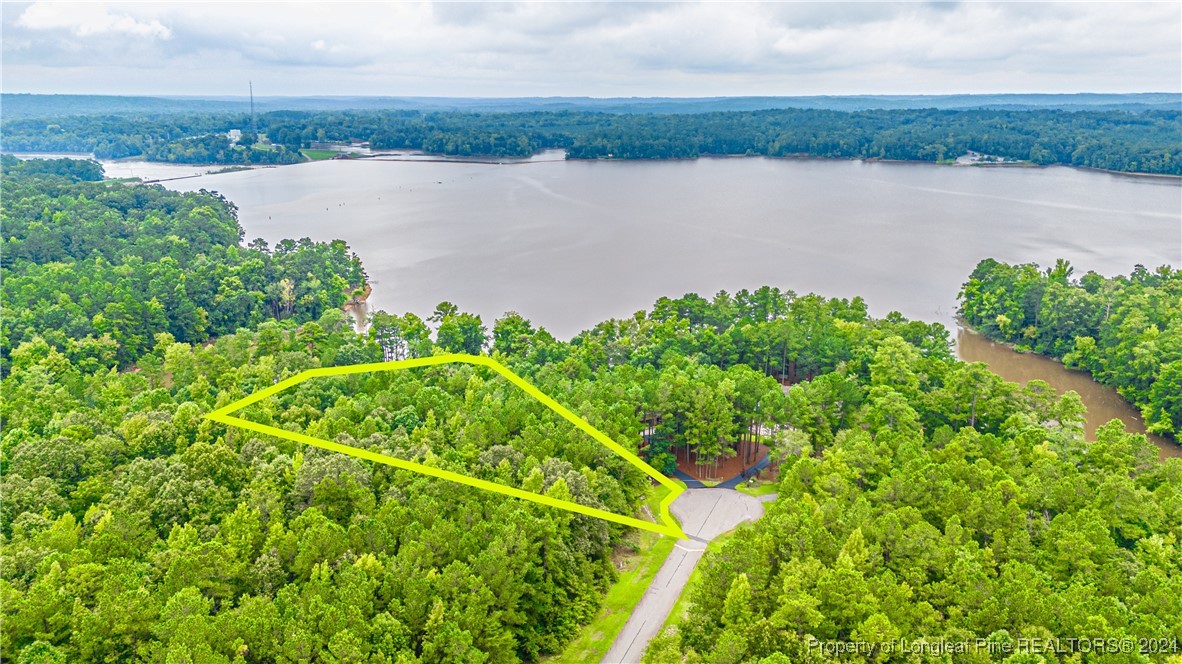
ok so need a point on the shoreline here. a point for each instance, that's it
(1168, 447)
(432, 158)
(1131, 174)
(443, 159)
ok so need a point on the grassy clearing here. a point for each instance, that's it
(318, 155)
(640, 567)
(761, 489)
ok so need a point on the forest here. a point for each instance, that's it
(919, 496)
(1125, 331)
(98, 268)
(951, 508)
(1146, 141)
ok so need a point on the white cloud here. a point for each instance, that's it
(600, 49)
(88, 19)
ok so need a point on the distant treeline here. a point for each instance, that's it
(20, 105)
(1147, 142)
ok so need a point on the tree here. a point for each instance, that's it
(512, 334)
(461, 333)
(442, 311)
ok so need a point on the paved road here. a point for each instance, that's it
(704, 514)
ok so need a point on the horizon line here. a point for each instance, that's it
(703, 97)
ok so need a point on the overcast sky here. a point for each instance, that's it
(592, 49)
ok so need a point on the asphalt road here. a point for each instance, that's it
(704, 514)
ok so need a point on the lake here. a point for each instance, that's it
(570, 243)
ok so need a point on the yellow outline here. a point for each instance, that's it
(669, 527)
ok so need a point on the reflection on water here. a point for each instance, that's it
(359, 313)
(1103, 403)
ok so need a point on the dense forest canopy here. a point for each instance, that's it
(97, 269)
(924, 522)
(1125, 331)
(919, 496)
(1145, 141)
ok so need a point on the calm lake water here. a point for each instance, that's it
(570, 243)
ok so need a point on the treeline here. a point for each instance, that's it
(702, 372)
(112, 136)
(1118, 140)
(175, 138)
(1125, 331)
(218, 149)
(82, 170)
(97, 269)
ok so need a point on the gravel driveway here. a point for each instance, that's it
(704, 514)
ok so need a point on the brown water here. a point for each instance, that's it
(1102, 402)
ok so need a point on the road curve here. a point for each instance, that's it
(704, 514)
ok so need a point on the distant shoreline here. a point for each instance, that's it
(430, 158)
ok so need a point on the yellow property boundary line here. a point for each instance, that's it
(668, 527)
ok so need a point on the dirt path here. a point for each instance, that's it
(704, 514)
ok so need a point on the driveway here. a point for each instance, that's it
(704, 514)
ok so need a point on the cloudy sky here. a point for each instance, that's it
(594, 49)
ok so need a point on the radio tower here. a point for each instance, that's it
(253, 127)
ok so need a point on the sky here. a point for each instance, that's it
(591, 49)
